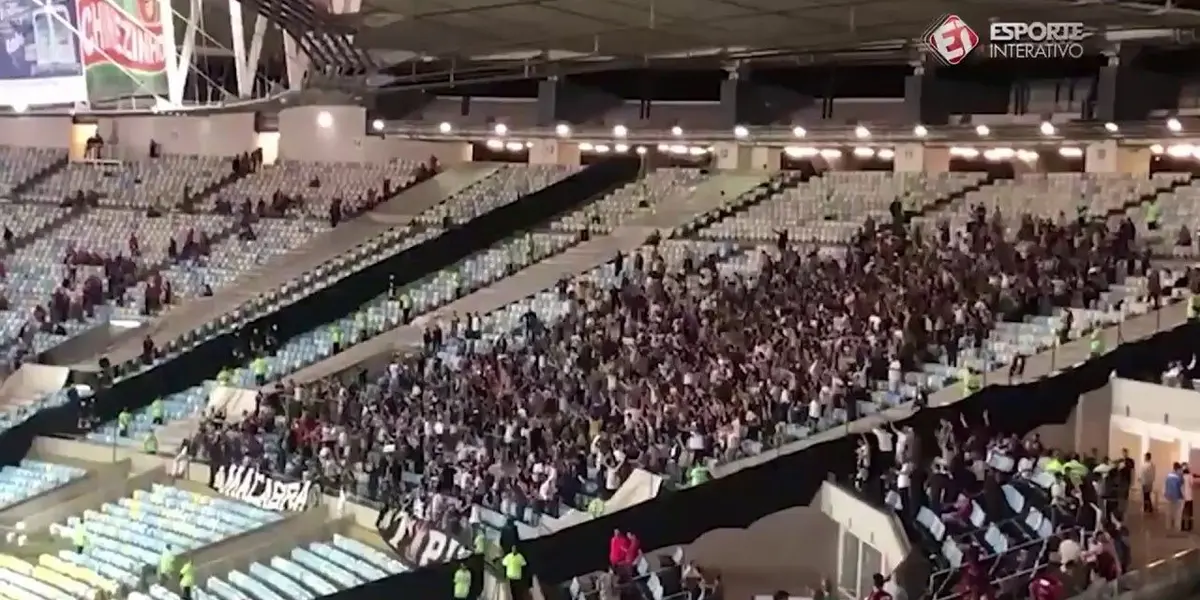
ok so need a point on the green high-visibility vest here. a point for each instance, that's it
(697, 475)
(335, 333)
(156, 409)
(1193, 307)
(1152, 212)
(259, 366)
(480, 543)
(1096, 346)
(79, 536)
(595, 507)
(150, 445)
(187, 575)
(125, 418)
(514, 565)
(462, 583)
(224, 376)
(166, 564)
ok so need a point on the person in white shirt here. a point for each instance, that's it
(1146, 478)
(886, 448)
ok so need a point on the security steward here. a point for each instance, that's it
(462, 582)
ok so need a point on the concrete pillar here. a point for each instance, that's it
(937, 160)
(1101, 157)
(1134, 161)
(727, 155)
(765, 158)
(910, 158)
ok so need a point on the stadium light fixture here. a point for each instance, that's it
(831, 154)
(495, 145)
(864, 152)
(983, 130)
(799, 131)
(641, 150)
(585, 147)
(514, 146)
(740, 131)
(920, 131)
(1156, 149)
(601, 148)
(1070, 152)
(1174, 125)
(324, 119)
(1047, 128)
(886, 154)
(621, 148)
(620, 131)
(676, 131)
(1111, 127)
(562, 130)
(445, 127)
(377, 124)
(861, 133)
(20, 107)
(500, 129)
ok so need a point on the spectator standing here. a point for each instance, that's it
(1146, 478)
(1173, 494)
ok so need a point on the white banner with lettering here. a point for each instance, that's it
(416, 542)
(259, 489)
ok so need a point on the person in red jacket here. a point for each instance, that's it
(1045, 586)
(616, 551)
(633, 549)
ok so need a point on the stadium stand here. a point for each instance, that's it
(558, 327)
(29, 478)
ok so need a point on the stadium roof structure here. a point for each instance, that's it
(428, 42)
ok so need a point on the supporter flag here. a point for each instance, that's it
(124, 48)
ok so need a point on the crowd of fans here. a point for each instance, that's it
(974, 501)
(679, 364)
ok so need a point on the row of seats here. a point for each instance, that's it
(830, 208)
(29, 478)
(135, 184)
(320, 183)
(305, 573)
(20, 164)
(619, 206)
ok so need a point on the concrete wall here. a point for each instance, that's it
(36, 132)
(216, 135)
(339, 134)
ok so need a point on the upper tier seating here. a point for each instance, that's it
(30, 478)
(345, 181)
(623, 204)
(830, 208)
(316, 570)
(501, 189)
(135, 184)
(19, 164)
(1048, 194)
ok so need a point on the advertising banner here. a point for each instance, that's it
(259, 489)
(39, 53)
(416, 542)
(124, 50)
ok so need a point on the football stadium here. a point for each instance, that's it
(563, 300)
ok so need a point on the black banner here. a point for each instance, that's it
(741, 498)
(416, 542)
